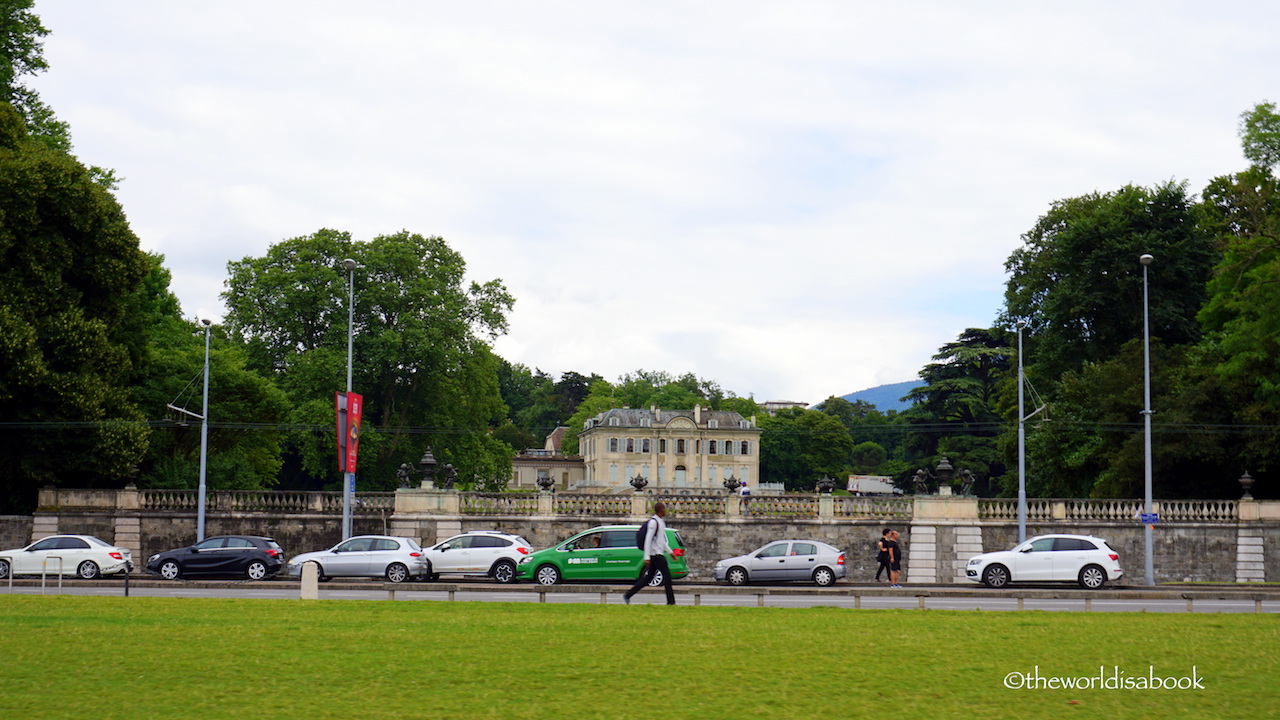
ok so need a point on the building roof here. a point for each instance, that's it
(654, 417)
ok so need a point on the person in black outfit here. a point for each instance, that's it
(882, 555)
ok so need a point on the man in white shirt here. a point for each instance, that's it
(656, 548)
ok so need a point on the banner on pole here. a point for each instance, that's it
(349, 407)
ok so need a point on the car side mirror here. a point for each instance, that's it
(1026, 549)
(193, 549)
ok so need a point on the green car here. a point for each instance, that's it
(607, 552)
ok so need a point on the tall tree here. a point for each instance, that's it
(1260, 135)
(21, 56)
(422, 358)
(69, 270)
(798, 447)
(1078, 284)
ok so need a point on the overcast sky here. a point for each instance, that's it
(795, 199)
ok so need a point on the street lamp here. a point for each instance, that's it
(1022, 446)
(349, 478)
(1149, 565)
(204, 438)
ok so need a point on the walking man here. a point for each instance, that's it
(655, 549)
(882, 555)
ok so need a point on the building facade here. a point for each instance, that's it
(694, 449)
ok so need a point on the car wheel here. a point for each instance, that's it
(658, 577)
(397, 573)
(736, 576)
(504, 571)
(4, 569)
(1092, 577)
(823, 577)
(88, 570)
(257, 570)
(170, 570)
(996, 576)
(548, 575)
(320, 576)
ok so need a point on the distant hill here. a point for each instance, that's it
(886, 397)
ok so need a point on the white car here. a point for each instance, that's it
(481, 552)
(84, 556)
(1049, 558)
(394, 558)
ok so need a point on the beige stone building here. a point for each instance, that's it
(673, 449)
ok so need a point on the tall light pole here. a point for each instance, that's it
(204, 438)
(349, 478)
(1022, 446)
(1149, 565)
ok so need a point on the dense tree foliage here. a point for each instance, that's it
(422, 359)
(70, 268)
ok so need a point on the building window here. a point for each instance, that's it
(746, 448)
(631, 445)
(613, 444)
(613, 421)
(697, 447)
(644, 446)
(713, 423)
(662, 445)
(680, 446)
(711, 449)
(727, 447)
(613, 474)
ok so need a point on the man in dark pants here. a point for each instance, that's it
(882, 555)
(655, 550)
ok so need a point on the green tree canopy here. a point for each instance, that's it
(71, 268)
(1260, 135)
(422, 359)
(1077, 281)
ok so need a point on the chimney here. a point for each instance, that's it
(697, 413)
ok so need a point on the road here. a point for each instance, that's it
(786, 596)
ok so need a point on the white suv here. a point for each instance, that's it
(480, 552)
(1049, 558)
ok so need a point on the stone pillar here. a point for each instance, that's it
(639, 506)
(826, 506)
(968, 542)
(546, 503)
(929, 512)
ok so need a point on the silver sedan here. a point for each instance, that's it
(785, 560)
(397, 559)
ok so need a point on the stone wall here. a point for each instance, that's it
(939, 534)
(15, 531)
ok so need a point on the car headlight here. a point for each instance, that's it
(719, 563)
(526, 559)
(975, 561)
(153, 558)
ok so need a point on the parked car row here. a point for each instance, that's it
(607, 552)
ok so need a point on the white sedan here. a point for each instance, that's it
(84, 556)
(1049, 558)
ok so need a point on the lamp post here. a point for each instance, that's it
(349, 478)
(204, 438)
(1022, 446)
(1149, 565)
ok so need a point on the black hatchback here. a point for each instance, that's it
(250, 556)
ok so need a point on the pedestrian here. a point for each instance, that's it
(744, 493)
(882, 555)
(656, 549)
(895, 558)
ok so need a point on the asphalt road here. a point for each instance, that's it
(781, 596)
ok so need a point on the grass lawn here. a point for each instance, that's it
(98, 657)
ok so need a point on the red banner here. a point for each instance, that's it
(349, 407)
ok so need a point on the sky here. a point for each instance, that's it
(795, 200)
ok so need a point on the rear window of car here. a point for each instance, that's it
(96, 541)
(385, 544)
(238, 543)
(1069, 544)
(483, 541)
(413, 544)
(274, 545)
(804, 549)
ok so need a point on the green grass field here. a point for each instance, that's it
(97, 657)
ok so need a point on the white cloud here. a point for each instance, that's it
(795, 200)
